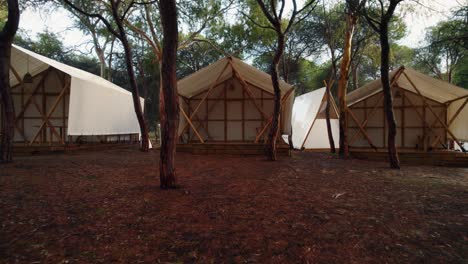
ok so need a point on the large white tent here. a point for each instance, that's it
(309, 126)
(62, 102)
(230, 101)
(428, 112)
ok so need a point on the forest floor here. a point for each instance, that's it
(101, 207)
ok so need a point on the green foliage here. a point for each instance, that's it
(3, 13)
(460, 76)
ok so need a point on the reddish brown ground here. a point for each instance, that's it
(101, 207)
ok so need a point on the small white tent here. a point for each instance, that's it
(309, 126)
(62, 102)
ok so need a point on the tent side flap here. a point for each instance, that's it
(100, 111)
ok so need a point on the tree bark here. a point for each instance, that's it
(6, 38)
(133, 82)
(388, 100)
(343, 85)
(354, 70)
(327, 117)
(274, 129)
(169, 100)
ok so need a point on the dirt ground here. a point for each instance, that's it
(102, 207)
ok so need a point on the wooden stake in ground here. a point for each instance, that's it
(380, 25)
(8, 121)
(169, 100)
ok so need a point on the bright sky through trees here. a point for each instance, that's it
(58, 21)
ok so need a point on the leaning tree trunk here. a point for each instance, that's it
(169, 100)
(388, 100)
(327, 117)
(133, 83)
(274, 130)
(6, 38)
(343, 85)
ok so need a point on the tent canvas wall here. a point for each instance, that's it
(64, 102)
(309, 126)
(428, 112)
(230, 101)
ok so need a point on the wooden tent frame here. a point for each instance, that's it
(246, 91)
(326, 98)
(422, 116)
(56, 132)
(38, 98)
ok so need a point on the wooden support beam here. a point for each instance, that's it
(458, 112)
(246, 88)
(52, 110)
(363, 131)
(215, 83)
(311, 125)
(432, 111)
(190, 123)
(364, 124)
(270, 119)
(456, 99)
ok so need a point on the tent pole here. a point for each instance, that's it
(458, 112)
(363, 131)
(432, 111)
(311, 125)
(215, 83)
(247, 89)
(193, 127)
(364, 124)
(46, 119)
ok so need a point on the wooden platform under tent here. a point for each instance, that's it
(60, 108)
(449, 158)
(231, 148)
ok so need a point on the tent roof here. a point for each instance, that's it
(203, 79)
(434, 89)
(24, 60)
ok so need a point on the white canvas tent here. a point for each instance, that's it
(428, 112)
(230, 101)
(309, 124)
(62, 102)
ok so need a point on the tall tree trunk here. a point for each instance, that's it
(388, 100)
(343, 85)
(354, 73)
(133, 83)
(6, 38)
(109, 68)
(169, 100)
(327, 117)
(274, 129)
(102, 62)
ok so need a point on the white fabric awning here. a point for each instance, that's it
(313, 135)
(97, 106)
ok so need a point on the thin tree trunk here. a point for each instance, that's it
(6, 38)
(109, 68)
(343, 85)
(169, 100)
(274, 130)
(133, 83)
(388, 100)
(354, 70)
(327, 117)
